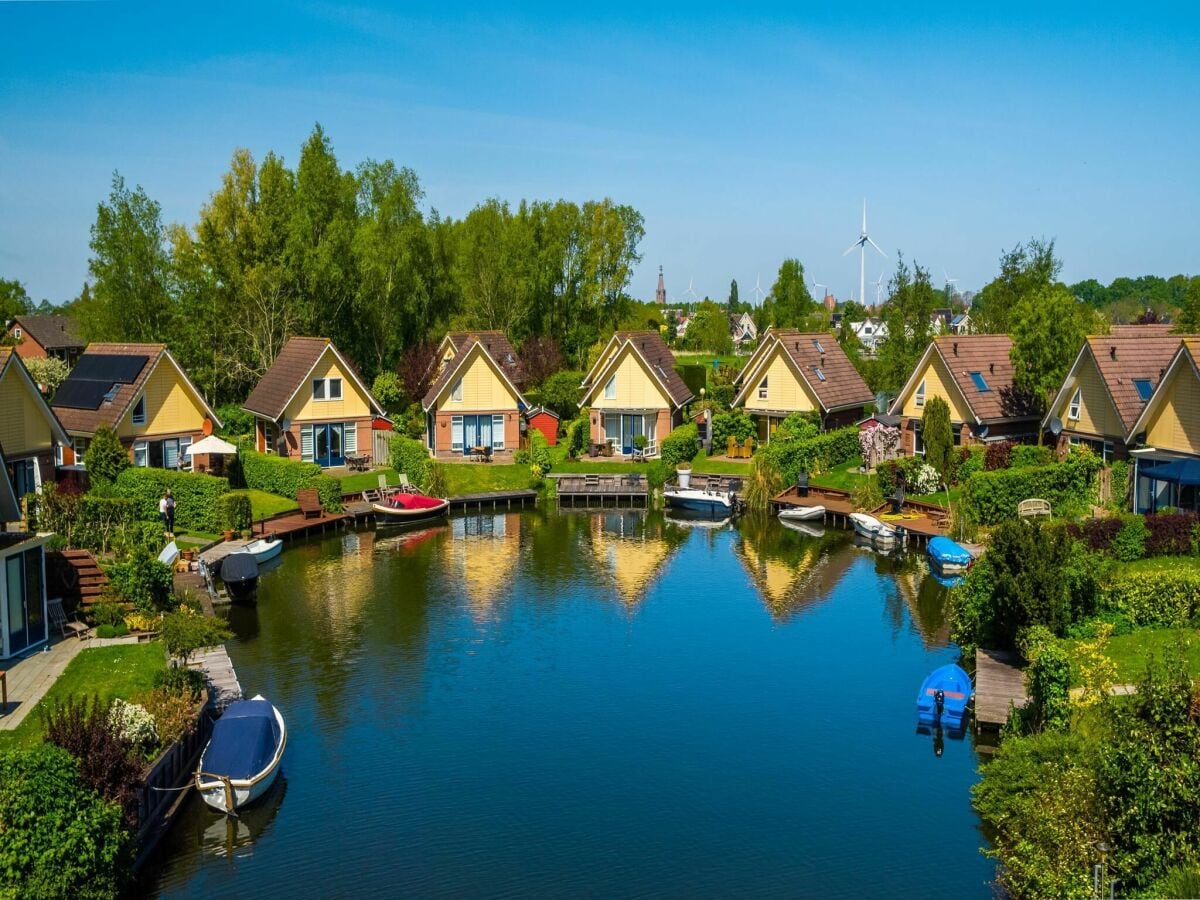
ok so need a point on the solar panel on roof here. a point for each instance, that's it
(119, 368)
(81, 394)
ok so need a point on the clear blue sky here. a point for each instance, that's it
(742, 138)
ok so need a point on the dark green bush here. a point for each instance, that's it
(143, 581)
(106, 631)
(285, 477)
(1168, 597)
(61, 839)
(578, 432)
(798, 426)
(235, 421)
(181, 680)
(681, 445)
(736, 425)
(1022, 455)
(235, 512)
(106, 457)
(83, 521)
(196, 495)
(409, 456)
(815, 454)
(539, 451)
(1129, 544)
(561, 392)
(992, 497)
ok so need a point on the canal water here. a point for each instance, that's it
(606, 704)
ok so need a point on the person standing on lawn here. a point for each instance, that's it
(166, 509)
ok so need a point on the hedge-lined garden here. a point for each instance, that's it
(285, 477)
(196, 496)
(991, 497)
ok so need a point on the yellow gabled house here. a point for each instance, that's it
(474, 404)
(1165, 438)
(30, 433)
(633, 389)
(140, 391)
(311, 404)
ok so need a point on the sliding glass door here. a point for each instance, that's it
(25, 614)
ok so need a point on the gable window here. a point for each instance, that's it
(334, 388)
(138, 417)
(919, 398)
(17, 333)
(980, 382)
(318, 388)
(1076, 404)
(1144, 388)
(762, 390)
(327, 389)
(610, 389)
(456, 391)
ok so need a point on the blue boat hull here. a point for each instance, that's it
(948, 555)
(955, 685)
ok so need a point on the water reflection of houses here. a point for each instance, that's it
(791, 573)
(482, 555)
(631, 549)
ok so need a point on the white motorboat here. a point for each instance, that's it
(808, 529)
(870, 527)
(802, 513)
(242, 757)
(717, 504)
(264, 549)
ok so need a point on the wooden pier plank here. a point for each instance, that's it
(999, 684)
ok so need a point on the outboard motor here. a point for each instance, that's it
(802, 483)
(898, 500)
(939, 700)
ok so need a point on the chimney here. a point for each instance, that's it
(1112, 352)
(797, 346)
(991, 368)
(956, 348)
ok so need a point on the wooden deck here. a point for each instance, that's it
(924, 520)
(999, 684)
(592, 490)
(223, 686)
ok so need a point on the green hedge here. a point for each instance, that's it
(410, 457)
(681, 445)
(1166, 598)
(283, 476)
(196, 495)
(815, 454)
(734, 424)
(992, 497)
(235, 511)
(82, 521)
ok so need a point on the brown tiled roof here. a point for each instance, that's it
(843, 386)
(660, 359)
(987, 354)
(1141, 330)
(86, 421)
(52, 332)
(494, 343)
(1122, 357)
(271, 395)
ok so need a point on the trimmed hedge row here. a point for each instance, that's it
(992, 497)
(196, 496)
(815, 454)
(1170, 598)
(235, 512)
(1166, 534)
(681, 445)
(82, 521)
(283, 476)
(409, 456)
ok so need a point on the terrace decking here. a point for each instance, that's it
(223, 685)
(999, 685)
(923, 520)
(589, 490)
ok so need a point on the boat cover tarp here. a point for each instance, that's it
(1179, 471)
(244, 740)
(414, 501)
(239, 567)
(946, 551)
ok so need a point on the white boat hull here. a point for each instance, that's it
(808, 529)
(870, 527)
(720, 505)
(802, 513)
(263, 550)
(217, 791)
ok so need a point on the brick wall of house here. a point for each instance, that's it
(443, 433)
(291, 436)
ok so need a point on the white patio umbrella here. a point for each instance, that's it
(213, 446)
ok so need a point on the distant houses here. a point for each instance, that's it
(30, 434)
(794, 371)
(41, 336)
(140, 391)
(312, 405)
(1165, 437)
(474, 405)
(633, 390)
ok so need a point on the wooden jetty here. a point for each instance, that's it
(223, 686)
(922, 520)
(999, 685)
(600, 490)
(495, 499)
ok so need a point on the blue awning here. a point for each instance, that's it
(1179, 471)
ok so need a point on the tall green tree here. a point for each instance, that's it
(937, 436)
(14, 301)
(1189, 312)
(708, 329)
(132, 277)
(907, 315)
(734, 306)
(789, 303)
(1024, 270)
(1048, 327)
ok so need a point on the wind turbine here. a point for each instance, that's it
(861, 244)
(951, 283)
(824, 288)
(689, 291)
(879, 290)
(759, 293)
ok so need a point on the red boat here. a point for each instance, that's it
(402, 508)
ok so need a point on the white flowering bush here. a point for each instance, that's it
(133, 723)
(927, 480)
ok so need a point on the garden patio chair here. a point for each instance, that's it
(748, 448)
(66, 625)
(731, 447)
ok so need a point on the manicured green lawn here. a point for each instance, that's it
(1131, 652)
(706, 359)
(108, 672)
(704, 465)
(477, 478)
(366, 481)
(845, 477)
(263, 505)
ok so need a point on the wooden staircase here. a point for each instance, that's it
(75, 576)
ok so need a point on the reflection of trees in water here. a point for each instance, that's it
(916, 597)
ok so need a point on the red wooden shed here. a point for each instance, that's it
(545, 421)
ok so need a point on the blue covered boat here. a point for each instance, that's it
(243, 755)
(943, 697)
(947, 555)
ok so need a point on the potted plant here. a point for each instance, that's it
(683, 471)
(227, 534)
(640, 443)
(247, 534)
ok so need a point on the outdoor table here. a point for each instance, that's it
(483, 453)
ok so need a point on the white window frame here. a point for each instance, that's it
(138, 415)
(330, 384)
(79, 448)
(456, 428)
(327, 386)
(610, 388)
(141, 454)
(185, 461)
(497, 432)
(763, 388)
(919, 396)
(17, 333)
(349, 438)
(1075, 407)
(456, 392)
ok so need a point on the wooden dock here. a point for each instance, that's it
(921, 521)
(600, 490)
(999, 685)
(223, 686)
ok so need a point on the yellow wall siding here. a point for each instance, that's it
(171, 407)
(23, 426)
(1176, 424)
(636, 388)
(938, 383)
(304, 408)
(785, 390)
(483, 390)
(1097, 415)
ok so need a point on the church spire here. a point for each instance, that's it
(660, 295)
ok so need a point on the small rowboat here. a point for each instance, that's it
(401, 508)
(264, 549)
(802, 513)
(870, 527)
(948, 556)
(243, 755)
(943, 697)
